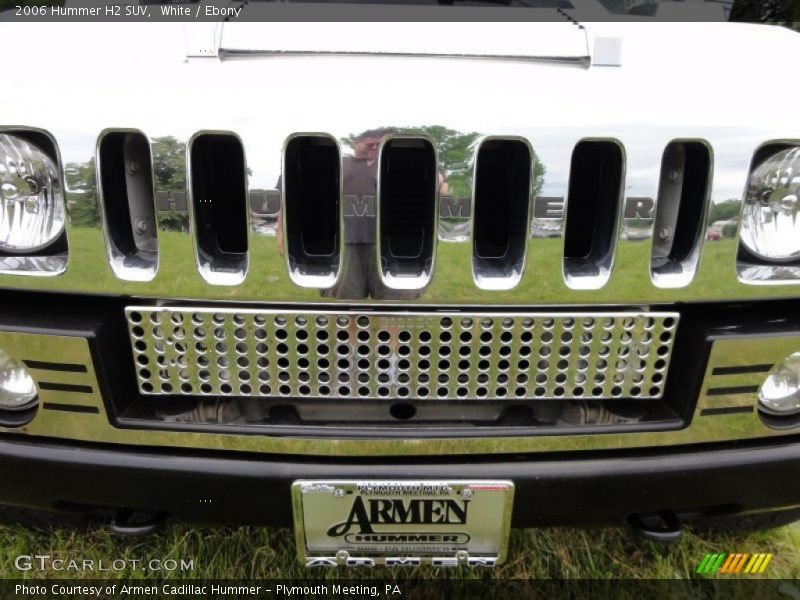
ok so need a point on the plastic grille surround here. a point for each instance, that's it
(419, 355)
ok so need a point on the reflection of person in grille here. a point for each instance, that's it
(359, 274)
(359, 271)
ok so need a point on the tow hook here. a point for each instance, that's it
(663, 526)
(129, 522)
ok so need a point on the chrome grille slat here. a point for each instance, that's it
(430, 355)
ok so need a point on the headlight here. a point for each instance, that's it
(31, 200)
(17, 388)
(780, 393)
(771, 216)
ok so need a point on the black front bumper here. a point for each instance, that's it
(568, 489)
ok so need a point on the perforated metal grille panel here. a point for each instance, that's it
(271, 353)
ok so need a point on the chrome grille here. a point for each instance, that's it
(445, 355)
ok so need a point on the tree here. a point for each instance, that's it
(724, 211)
(169, 172)
(456, 152)
(84, 210)
(729, 230)
(782, 12)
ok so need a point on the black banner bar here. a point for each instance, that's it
(396, 588)
(210, 11)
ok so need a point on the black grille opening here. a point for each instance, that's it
(595, 189)
(126, 184)
(407, 197)
(502, 198)
(218, 176)
(312, 192)
(682, 198)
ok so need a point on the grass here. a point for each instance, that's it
(267, 280)
(257, 553)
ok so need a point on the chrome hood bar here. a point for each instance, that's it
(563, 42)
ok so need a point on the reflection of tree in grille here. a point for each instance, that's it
(169, 158)
(456, 152)
(169, 172)
(83, 208)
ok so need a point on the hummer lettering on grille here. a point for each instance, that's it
(454, 207)
(359, 206)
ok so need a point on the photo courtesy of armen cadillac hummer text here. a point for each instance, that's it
(261, 273)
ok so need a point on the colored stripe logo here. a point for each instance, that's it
(732, 564)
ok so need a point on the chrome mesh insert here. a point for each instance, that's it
(446, 355)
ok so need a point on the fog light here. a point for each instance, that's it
(17, 388)
(780, 393)
(31, 199)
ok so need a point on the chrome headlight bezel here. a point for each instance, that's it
(770, 227)
(31, 194)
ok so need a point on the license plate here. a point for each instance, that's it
(402, 523)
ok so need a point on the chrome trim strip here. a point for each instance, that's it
(562, 41)
(234, 54)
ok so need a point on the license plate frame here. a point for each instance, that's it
(369, 522)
